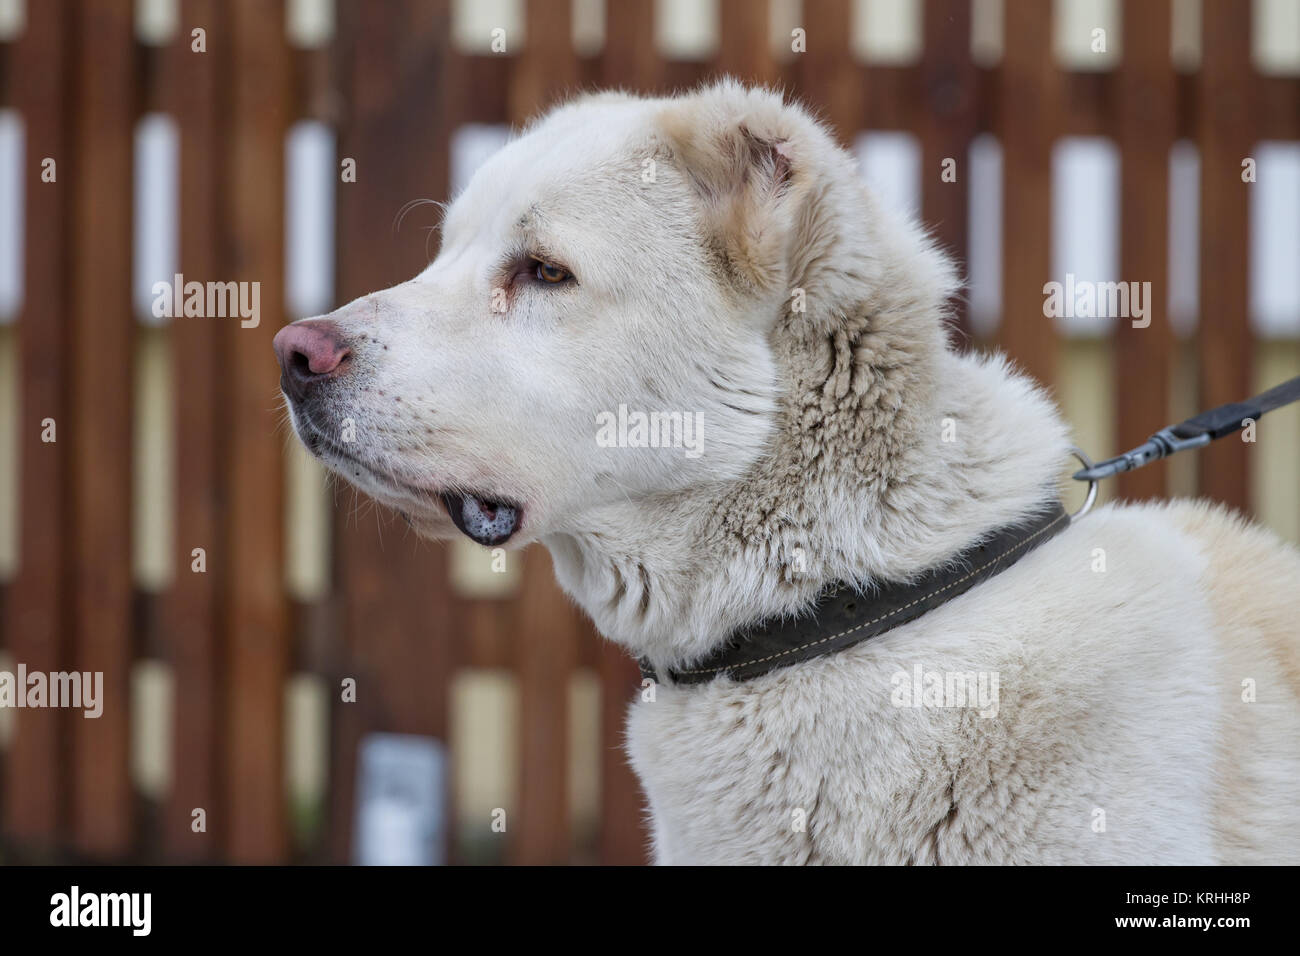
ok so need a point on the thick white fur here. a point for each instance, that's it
(1120, 690)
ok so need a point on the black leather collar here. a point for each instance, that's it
(843, 616)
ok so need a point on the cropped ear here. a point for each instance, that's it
(744, 169)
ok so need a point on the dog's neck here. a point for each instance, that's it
(890, 454)
(670, 578)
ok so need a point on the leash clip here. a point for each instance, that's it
(1160, 445)
(1196, 432)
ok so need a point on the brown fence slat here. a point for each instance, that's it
(745, 49)
(37, 614)
(630, 59)
(1144, 356)
(257, 609)
(546, 69)
(829, 80)
(488, 76)
(1278, 103)
(191, 610)
(623, 837)
(1224, 339)
(1084, 102)
(400, 89)
(545, 653)
(100, 420)
(890, 96)
(947, 120)
(1030, 93)
(482, 629)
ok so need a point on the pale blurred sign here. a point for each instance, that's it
(401, 802)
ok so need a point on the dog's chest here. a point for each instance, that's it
(1090, 749)
(800, 772)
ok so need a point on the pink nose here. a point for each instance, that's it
(310, 352)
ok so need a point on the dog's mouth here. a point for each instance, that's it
(489, 521)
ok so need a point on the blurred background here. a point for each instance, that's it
(289, 676)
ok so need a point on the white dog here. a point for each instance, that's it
(713, 259)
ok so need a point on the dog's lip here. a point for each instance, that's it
(315, 439)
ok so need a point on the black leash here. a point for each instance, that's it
(1196, 431)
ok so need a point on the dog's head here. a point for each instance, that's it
(597, 325)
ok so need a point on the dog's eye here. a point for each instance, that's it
(553, 274)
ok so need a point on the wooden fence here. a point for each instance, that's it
(395, 89)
